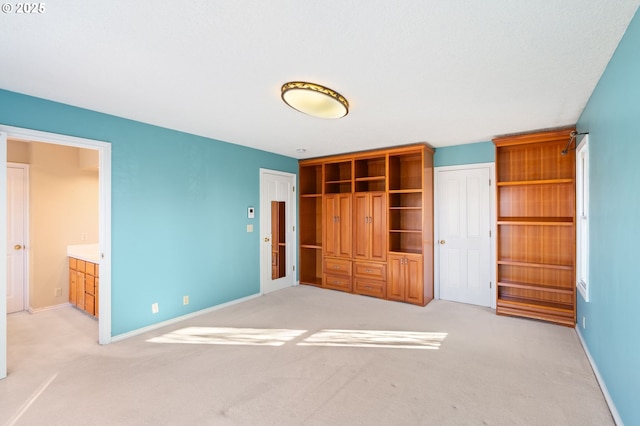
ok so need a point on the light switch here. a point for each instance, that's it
(251, 213)
(249, 228)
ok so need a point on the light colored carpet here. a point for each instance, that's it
(270, 361)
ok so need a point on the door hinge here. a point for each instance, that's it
(489, 182)
(490, 284)
(293, 189)
(489, 233)
(294, 228)
(294, 267)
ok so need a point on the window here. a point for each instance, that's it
(582, 218)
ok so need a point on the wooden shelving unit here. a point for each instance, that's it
(310, 208)
(536, 227)
(380, 202)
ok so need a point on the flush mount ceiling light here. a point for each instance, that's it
(314, 99)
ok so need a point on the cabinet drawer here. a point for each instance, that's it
(73, 263)
(337, 266)
(337, 282)
(370, 288)
(371, 271)
(80, 265)
(90, 268)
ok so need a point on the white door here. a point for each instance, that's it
(16, 237)
(464, 242)
(277, 271)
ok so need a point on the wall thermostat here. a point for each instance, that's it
(251, 213)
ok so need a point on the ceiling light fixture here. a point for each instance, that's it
(314, 99)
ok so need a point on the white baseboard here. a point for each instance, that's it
(152, 327)
(47, 308)
(603, 386)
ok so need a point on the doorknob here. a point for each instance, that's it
(266, 239)
(442, 241)
(17, 247)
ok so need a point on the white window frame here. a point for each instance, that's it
(582, 218)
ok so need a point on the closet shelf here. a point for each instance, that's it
(535, 182)
(369, 178)
(549, 221)
(536, 287)
(535, 265)
(311, 246)
(534, 304)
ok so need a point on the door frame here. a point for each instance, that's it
(104, 224)
(25, 265)
(492, 219)
(292, 249)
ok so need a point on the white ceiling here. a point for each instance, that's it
(445, 72)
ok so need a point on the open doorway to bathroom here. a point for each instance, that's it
(69, 198)
(52, 214)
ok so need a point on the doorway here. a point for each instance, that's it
(277, 230)
(104, 225)
(464, 218)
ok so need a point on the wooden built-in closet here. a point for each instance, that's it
(366, 223)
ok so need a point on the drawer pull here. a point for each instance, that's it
(336, 267)
(368, 287)
(368, 271)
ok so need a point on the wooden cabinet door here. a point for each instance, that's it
(378, 225)
(370, 223)
(73, 283)
(345, 232)
(330, 226)
(79, 289)
(395, 280)
(406, 278)
(337, 229)
(97, 311)
(361, 225)
(414, 279)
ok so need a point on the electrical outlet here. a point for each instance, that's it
(185, 300)
(154, 308)
(57, 292)
(83, 236)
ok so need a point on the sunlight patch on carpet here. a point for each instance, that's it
(376, 339)
(229, 336)
(281, 336)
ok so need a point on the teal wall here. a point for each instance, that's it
(179, 210)
(474, 153)
(612, 118)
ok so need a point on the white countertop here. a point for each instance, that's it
(88, 252)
